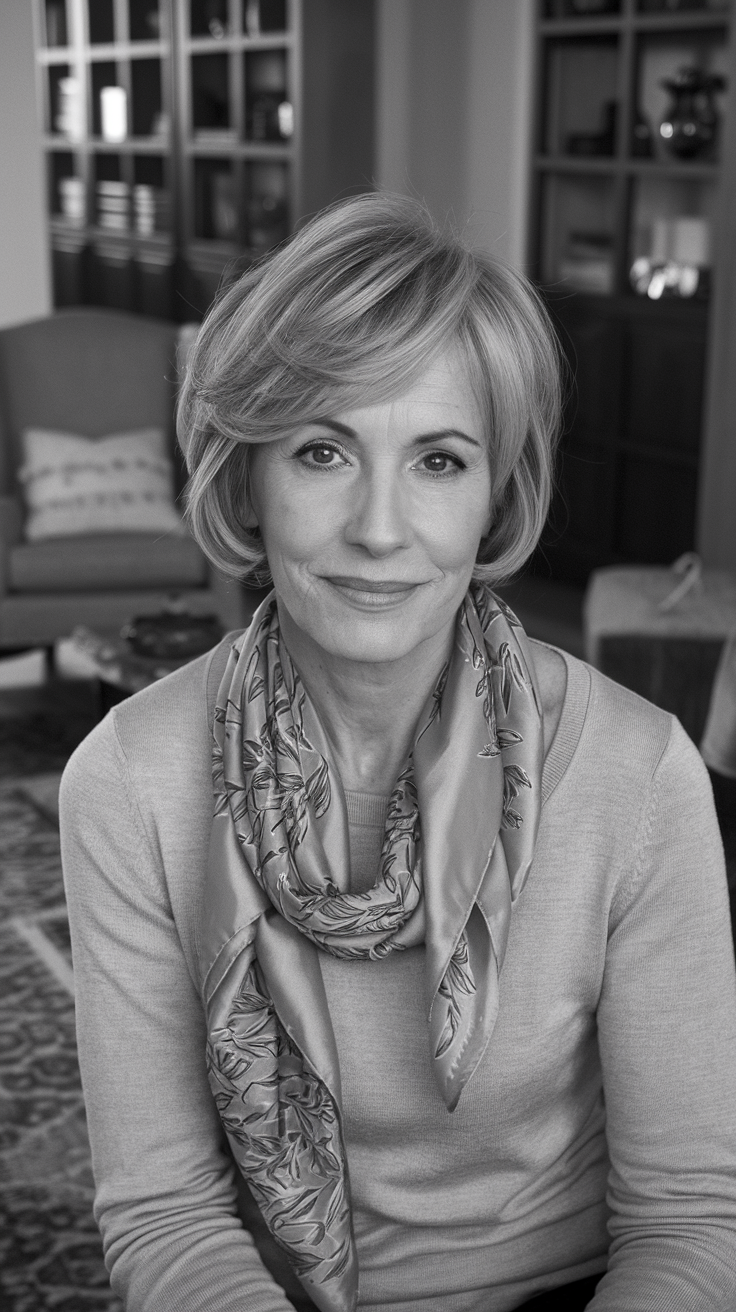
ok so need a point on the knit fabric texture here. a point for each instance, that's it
(600, 1126)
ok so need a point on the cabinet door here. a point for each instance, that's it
(663, 372)
(582, 520)
(627, 472)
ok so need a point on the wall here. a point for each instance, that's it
(24, 262)
(454, 107)
(499, 124)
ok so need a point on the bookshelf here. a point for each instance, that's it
(631, 149)
(185, 138)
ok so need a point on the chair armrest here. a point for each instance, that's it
(11, 529)
(11, 520)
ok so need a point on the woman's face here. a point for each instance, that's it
(371, 518)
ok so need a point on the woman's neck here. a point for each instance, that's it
(369, 710)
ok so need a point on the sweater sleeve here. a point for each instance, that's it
(667, 1034)
(166, 1199)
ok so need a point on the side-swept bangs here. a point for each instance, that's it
(351, 311)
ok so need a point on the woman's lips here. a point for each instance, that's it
(370, 585)
(371, 592)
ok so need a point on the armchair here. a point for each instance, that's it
(93, 373)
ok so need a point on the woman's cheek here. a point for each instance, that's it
(456, 531)
(303, 523)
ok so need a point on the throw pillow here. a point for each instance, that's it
(74, 485)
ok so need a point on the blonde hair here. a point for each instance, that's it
(357, 304)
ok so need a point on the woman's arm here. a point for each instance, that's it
(667, 1031)
(165, 1194)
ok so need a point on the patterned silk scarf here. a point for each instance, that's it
(458, 844)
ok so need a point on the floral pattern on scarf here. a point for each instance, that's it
(458, 843)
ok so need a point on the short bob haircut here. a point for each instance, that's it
(351, 311)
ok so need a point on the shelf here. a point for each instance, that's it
(126, 50)
(604, 164)
(698, 20)
(56, 55)
(134, 242)
(206, 45)
(643, 168)
(254, 150)
(129, 237)
(611, 164)
(628, 306)
(614, 24)
(131, 146)
(96, 145)
(610, 25)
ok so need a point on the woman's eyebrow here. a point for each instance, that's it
(334, 425)
(425, 439)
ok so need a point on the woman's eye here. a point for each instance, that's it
(439, 462)
(321, 455)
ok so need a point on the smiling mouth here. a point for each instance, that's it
(371, 592)
(385, 587)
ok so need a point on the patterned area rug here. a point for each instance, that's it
(50, 1249)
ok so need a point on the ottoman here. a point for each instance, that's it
(646, 629)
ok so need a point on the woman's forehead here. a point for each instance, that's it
(443, 389)
(444, 377)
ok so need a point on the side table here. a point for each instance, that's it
(119, 670)
(668, 654)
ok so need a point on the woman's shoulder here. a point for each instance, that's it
(609, 727)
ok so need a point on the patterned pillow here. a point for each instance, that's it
(74, 485)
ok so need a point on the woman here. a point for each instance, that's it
(448, 978)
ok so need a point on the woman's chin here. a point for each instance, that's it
(368, 638)
(361, 634)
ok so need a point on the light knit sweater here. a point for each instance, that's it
(601, 1124)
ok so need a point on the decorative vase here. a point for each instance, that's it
(690, 127)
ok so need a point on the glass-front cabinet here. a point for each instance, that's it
(182, 138)
(629, 157)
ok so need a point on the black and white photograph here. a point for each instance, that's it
(367, 655)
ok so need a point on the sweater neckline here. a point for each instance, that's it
(572, 718)
(366, 810)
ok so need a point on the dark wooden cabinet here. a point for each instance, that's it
(623, 238)
(627, 486)
(186, 138)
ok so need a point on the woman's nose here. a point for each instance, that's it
(378, 520)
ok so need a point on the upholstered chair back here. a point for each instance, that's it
(89, 372)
